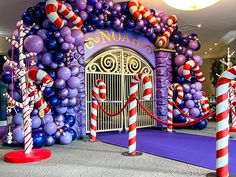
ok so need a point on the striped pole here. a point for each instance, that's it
(179, 99)
(99, 92)
(54, 6)
(192, 65)
(222, 121)
(138, 11)
(205, 103)
(232, 102)
(147, 93)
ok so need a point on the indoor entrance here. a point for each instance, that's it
(116, 66)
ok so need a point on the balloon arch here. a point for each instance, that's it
(56, 42)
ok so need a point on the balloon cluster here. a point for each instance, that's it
(185, 45)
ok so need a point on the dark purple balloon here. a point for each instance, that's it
(60, 83)
(46, 59)
(73, 102)
(33, 43)
(63, 93)
(64, 102)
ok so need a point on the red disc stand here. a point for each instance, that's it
(232, 129)
(20, 156)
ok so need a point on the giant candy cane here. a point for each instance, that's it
(232, 102)
(205, 103)
(147, 93)
(35, 74)
(99, 92)
(192, 65)
(179, 99)
(222, 121)
(55, 6)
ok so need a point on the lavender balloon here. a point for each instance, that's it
(63, 93)
(72, 92)
(18, 134)
(50, 141)
(189, 104)
(74, 82)
(198, 86)
(42, 33)
(180, 60)
(64, 102)
(36, 122)
(65, 31)
(50, 128)
(73, 102)
(197, 95)
(194, 112)
(60, 83)
(79, 37)
(66, 138)
(176, 113)
(64, 73)
(18, 119)
(47, 119)
(46, 59)
(186, 88)
(33, 43)
(60, 118)
(61, 110)
(74, 70)
(188, 96)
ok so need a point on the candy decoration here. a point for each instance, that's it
(192, 65)
(222, 121)
(99, 92)
(138, 11)
(35, 74)
(232, 102)
(54, 6)
(205, 103)
(179, 99)
(147, 93)
(172, 22)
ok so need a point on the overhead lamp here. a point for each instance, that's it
(190, 4)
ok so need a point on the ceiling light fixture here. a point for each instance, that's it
(215, 44)
(199, 25)
(210, 49)
(190, 4)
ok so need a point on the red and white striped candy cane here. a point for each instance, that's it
(138, 11)
(55, 6)
(205, 103)
(192, 65)
(232, 102)
(35, 74)
(147, 93)
(99, 91)
(172, 22)
(222, 121)
(179, 99)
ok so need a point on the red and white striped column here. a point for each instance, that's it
(99, 92)
(147, 93)
(222, 122)
(179, 99)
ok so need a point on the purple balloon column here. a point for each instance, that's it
(163, 78)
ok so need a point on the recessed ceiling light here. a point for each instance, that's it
(215, 44)
(199, 25)
(206, 53)
(210, 49)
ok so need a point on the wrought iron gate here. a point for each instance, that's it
(116, 66)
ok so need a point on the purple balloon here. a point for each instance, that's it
(72, 92)
(50, 141)
(186, 88)
(50, 128)
(18, 134)
(180, 60)
(197, 95)
(188, 96)
(46, 59)
(74, 82)
(185, 110)
(171, 46)
(192, 91)
(61, 110)
(60, 83)
(194, 45)
(65, 31)
(69, 39)
(189, 104)
(73, 102)
(198, 86)
(189, 53)
(79, 37)
(42, 33)
(63, 93)
(64, 73)
(35, 112)
(74, 70)
(18, 119)
(83, 15)
(65, 46)
(16, 95)
(60, 118)
(36, 122)
(54, 65)
(66, 138)
(194, 112)
(33, 43)
(47, 119)
(198, 60)
(80, 4)
(6, 67)
(64, 102)
(176, 113)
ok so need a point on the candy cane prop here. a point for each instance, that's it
(138, 11)
(99, 91)
(54, 6)
(222, 121)
(35, 74)
(192, 65)
(205, 103)
(147, 93)
(232, 102)
(179, 99)
(172, 22)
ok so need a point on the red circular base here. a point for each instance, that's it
(21, 157)
(232, 129)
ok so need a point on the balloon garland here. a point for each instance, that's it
(58, 50)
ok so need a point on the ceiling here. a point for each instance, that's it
(218, 22)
